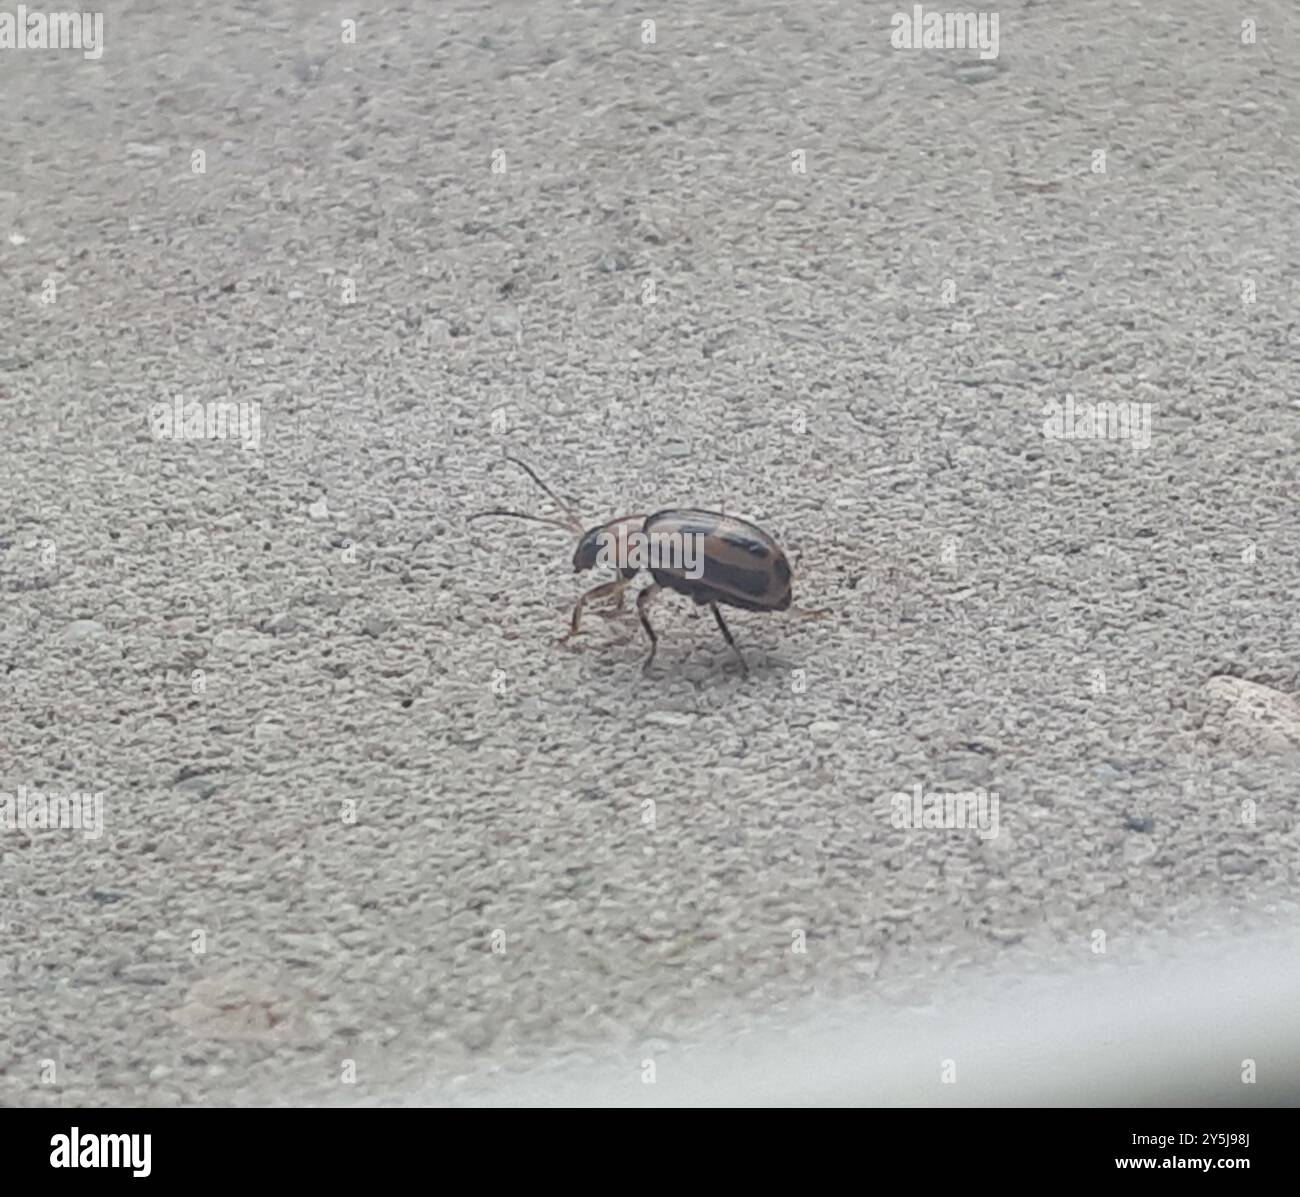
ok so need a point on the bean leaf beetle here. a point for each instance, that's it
(739, 565)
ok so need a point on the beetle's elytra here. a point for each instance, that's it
(743, 566)
(739, 564)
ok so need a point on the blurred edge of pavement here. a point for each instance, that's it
(1181, 1031)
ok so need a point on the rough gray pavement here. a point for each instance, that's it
(358, 805)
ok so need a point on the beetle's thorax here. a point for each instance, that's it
(601, 536)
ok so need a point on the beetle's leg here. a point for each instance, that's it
(616, 586)
(726, 635)
(642, 601)
(627, 573)
(617, 609)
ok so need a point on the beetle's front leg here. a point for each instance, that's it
(620, 596)
(618, 608)
(617, 586)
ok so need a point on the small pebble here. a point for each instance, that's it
(669, 719)
(81, 631)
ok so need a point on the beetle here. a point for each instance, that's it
(740, 564)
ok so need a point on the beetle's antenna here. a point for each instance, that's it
(575, 521)
(521, 515)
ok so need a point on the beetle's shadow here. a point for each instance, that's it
(690, 649)
(699, 662)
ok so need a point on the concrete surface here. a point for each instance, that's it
(362, 818)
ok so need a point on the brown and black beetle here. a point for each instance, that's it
(740, 564)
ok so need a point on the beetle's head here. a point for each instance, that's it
(584, 556)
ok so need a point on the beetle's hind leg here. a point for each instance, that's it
(726, 635)
(617, 586)
(643, 601)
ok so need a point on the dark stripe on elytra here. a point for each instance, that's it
(724, 575)
(746, 544)
(710, 523)
(740, 551)
(718, 538)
